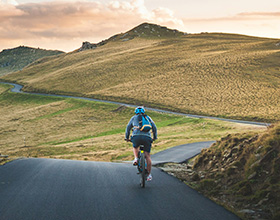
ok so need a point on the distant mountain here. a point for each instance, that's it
(145, 30)
(15, 59)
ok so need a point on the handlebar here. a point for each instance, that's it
(128, 140)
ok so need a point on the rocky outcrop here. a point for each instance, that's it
(87, 45)
(149, 30)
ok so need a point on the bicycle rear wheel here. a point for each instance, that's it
(143, 173)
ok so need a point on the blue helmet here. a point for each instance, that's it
(139, 110)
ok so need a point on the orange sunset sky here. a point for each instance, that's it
(64, 25)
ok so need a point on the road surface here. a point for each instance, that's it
(181, 153)
(65, 189)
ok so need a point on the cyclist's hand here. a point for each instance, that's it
(127, 140)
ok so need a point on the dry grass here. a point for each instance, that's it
(41, 126)
(241, 171)
(213, 74)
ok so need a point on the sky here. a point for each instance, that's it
(65, 24)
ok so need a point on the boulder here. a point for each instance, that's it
(87, 45)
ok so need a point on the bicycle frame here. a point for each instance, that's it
(142, 166)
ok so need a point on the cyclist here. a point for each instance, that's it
(141, 138)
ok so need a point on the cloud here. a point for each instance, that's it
(8, 10)
(259, 14)
(72, 20)
(261, 24)
(244, 16)
(10, 2)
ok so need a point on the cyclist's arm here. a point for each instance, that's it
(128, 129)
(154, 129)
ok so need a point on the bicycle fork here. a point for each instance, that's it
(142, 166)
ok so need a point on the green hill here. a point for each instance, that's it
(225, 75)
(15, 59)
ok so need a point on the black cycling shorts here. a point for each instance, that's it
(138, 140)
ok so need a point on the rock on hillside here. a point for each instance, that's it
(145, 30)
(148, 30)
(15, 59)
(87, 45)
(241, 172)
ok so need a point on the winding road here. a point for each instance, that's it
(18, 89)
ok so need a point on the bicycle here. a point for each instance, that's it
(141, 165)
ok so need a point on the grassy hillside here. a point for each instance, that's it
(15, 59)
(214, 74)
(240, 171)
(39, 126)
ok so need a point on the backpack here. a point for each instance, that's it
(144, 123)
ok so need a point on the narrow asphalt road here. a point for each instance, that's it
(180, 153)
(65, 189)
(18, 89)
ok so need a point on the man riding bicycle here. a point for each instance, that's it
(141, 137)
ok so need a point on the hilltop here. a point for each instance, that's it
(224, 75)
(145, 30)
(15, 59)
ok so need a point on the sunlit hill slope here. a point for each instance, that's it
(215, 74)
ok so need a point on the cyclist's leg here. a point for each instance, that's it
(136, 143)
(147, 148)
(149, 162)
(135, 152)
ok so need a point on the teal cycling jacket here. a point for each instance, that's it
(134, 125)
